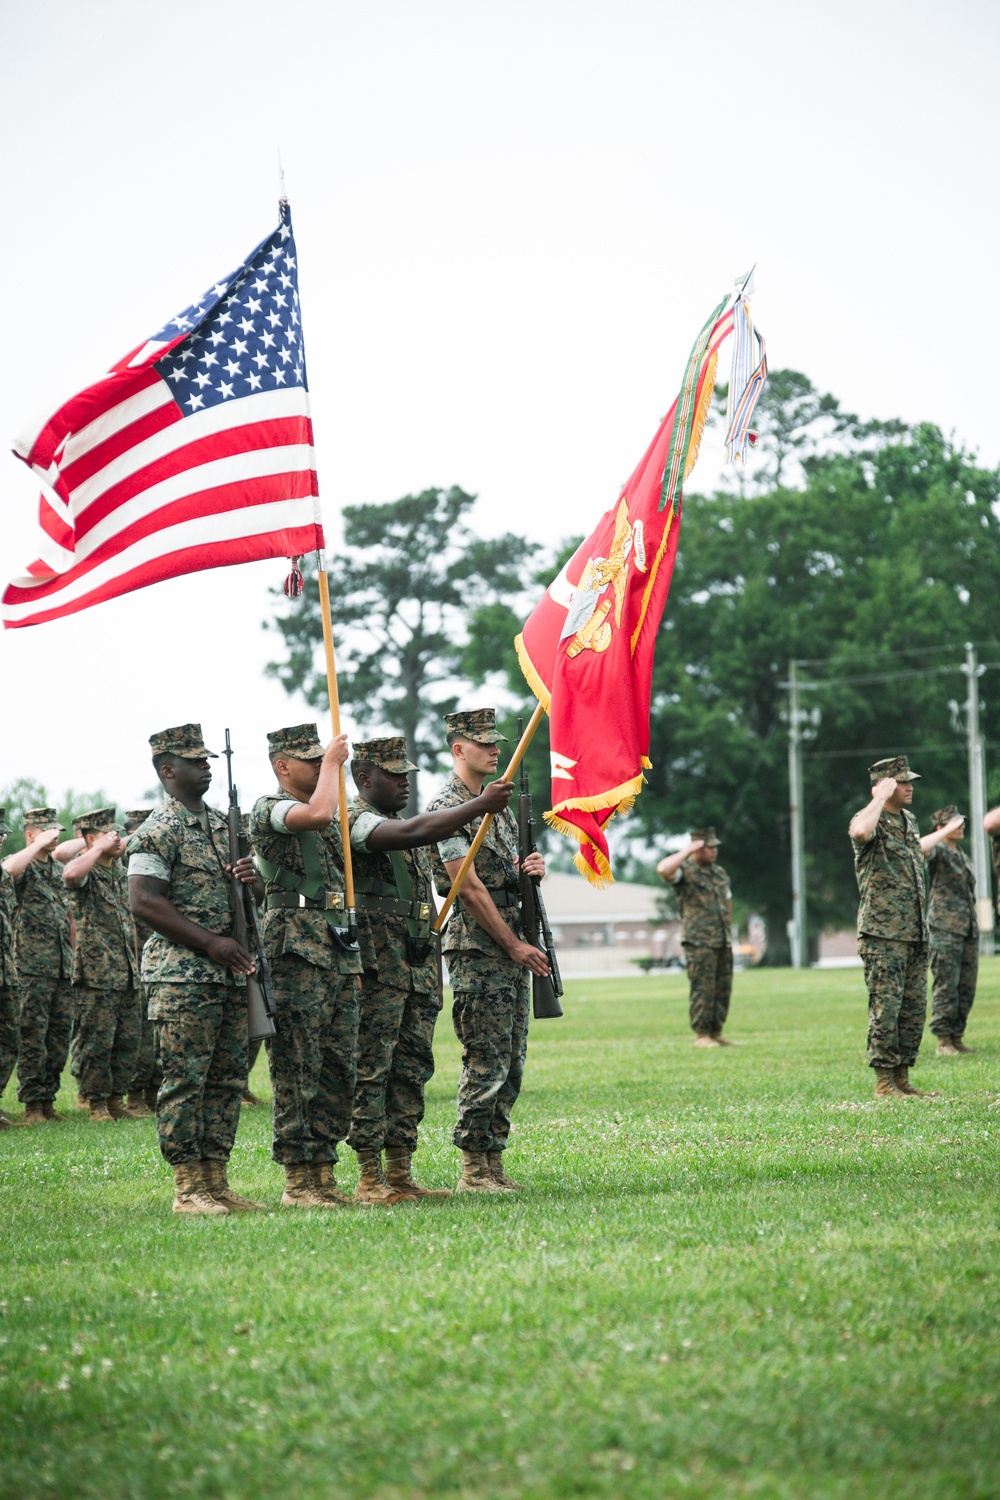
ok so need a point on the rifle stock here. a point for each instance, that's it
(545, 991)
(262, 1019)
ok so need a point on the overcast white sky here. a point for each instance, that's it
(512, 220)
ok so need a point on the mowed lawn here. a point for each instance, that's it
(730, 1273)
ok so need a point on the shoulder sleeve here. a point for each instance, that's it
(677, 876)
(279, 815)
(147, 864)
(153, 849)
(362, 825)
(455, 847)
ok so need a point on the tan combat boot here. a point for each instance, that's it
(216, 1180)
(495, 1159)
(372, 1186)
(946, 1047)
(885, 1085)
(149, 1096)
(34, 1114)
(299, 1189)
(703, 1039)
(901, 1078)
(960, 1046)
(49, 1110)
(118, 1109)
(476, 1175)
(248, 1099)
(325, 1184)
(137, 1107)
(399, 1176)
(99, 1111)
(191, 1195)
(81, 1102)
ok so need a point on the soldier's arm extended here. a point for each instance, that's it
(16, 864)
(68, 850)
(991, 822)
(432, 827)
(76, 872)
(481, 908)
(864, 823)
(147, 898)
(321, 809)
(667, 868)
(929, 840)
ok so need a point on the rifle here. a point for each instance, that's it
(262, 1017)
(545, 992)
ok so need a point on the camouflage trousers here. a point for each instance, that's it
(106, 1036)
(201, 1040)
(312, 1059)
(147, 1073)
(490, 1012)
(44, 1027)
(896, 977)
(955, 966)
(710, 975)
(9, 1007)
(395, 1062)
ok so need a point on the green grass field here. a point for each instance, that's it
(731, 1273)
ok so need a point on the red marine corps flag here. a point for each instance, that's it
(587, 648)
(194, 451)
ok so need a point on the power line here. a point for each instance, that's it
(819, 661)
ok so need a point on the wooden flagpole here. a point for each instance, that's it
(484, 827)
(334, 696)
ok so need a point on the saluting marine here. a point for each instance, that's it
(9, 998)
(105, 974)
(194, 971)
(705, 898)
(954, 930)
(400, 997)
(489, 962)
(43, 946)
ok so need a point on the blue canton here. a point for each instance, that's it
(246, 335)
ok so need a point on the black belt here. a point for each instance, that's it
(417, 911)
(328, 901)
(505, 898)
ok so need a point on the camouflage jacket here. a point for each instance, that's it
(8, 912)
(496, 866)
(301, 930)
(105, 937)
(43, 944)
(373, 873)
(952, 880)
(995, 851)
(891, 874)
(706, 905)
(173, 846)
(142, 932)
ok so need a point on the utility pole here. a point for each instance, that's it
(977, 802)
(797, 926)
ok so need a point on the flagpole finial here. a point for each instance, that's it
(745, 283)
(282, 195)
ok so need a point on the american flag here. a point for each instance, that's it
(194, 451)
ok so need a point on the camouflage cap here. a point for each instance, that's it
(136, 817)
(479, 724)
(98, 820)
(945, 814)
(300, 741)
(185, 741)
(42, 817)
(897, 766)
(388, 754)
(706, 836)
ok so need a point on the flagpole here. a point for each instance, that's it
(334, 696)
(484, 827)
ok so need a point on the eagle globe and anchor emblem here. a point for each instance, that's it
(587, 626)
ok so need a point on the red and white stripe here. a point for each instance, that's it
(135, 492)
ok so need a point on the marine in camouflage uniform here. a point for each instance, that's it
(194, 972)
(490, 972)
(315, 966)
(9, 998)
(44, 953)
(105, 973)
(703, 894)
(400, 993)
(892, 924)
(954, 930)
(146, 1075)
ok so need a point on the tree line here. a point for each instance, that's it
(862, 549)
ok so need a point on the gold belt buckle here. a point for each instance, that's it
(425, 911)
(334, 901)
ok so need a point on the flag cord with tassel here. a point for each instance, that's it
(484, 827)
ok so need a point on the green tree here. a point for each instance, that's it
(884, 564)
(420, 606)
